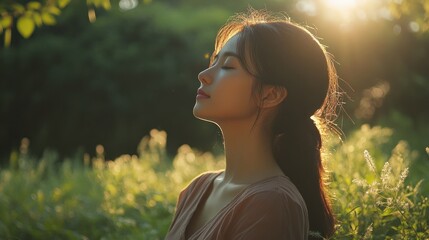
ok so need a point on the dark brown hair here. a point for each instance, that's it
(281, 53)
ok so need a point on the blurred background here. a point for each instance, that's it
(78, 74)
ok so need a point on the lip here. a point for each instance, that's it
(202, 94)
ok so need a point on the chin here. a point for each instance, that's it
(199, 113)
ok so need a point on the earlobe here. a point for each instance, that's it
(273, 96)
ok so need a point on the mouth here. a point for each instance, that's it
(202, 94)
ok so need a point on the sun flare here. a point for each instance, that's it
(341, 4)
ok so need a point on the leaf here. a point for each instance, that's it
(106, 4)
(48, 19)
(18, 8)
(7, 37)
(6, 21)
(91, 15)
(426, 7)
(25, 26)
(63, 3)
(97, 3)
(54, 10)
(34, 5)
(37, 19)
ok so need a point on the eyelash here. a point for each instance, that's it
(226, 67)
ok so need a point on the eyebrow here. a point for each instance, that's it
(226, 54)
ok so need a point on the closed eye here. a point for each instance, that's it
(226, 67)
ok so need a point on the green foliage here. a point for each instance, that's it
(27, 16)
(108, 75)
(414, 10)
(133, 197)
(370, 195)
(37, 13)
(74, 73)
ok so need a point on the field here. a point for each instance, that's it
(376, 193)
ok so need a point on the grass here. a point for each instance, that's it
(374, 194)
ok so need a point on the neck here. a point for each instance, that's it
(248, 153)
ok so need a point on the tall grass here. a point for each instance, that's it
(371, 196)
(133, 197)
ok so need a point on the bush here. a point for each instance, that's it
(134, 196)
(370, 196)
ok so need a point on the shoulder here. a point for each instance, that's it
(275, 200)
(272, 209)
(206, 175)
(198, 183)
(277, 190)
(191, 194)
(203, 178)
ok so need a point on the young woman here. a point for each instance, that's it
(269, 82)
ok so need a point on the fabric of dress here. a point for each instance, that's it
(270, 209)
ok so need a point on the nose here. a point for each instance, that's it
(204, 76)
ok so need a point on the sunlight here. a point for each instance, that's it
(345, 12)
(348, 12)
(342, 5)
(341, 11)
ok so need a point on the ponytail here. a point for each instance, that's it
(296, 147)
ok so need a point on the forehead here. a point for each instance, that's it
(230, 45)
(231, 48)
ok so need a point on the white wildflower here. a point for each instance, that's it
(369, 160)
(406, 206)
(360, 182)
(386, 174)
(389, 201)
(373, 189)
(404, 175)
(368, 233)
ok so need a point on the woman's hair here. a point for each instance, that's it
(280, 53)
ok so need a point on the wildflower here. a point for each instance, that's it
(406, 206)
(368, 232)
(386, 174)
(389, 201)
(373, 189)
(360, 182)
(369, 160)
(404, 175)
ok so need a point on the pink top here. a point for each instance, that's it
(271, 209)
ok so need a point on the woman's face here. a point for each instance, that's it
(226, 88)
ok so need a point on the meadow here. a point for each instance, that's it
(377, 192)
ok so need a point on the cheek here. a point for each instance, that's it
(233, 99)
(237, 93)
(236, 98)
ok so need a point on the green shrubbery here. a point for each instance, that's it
(371, 198)
(134, 197)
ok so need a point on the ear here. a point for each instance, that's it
(272, 96)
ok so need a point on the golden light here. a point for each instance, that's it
(345, 12)
(342, 5)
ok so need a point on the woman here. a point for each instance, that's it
(266, 78)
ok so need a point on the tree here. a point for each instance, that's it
(25, 17)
